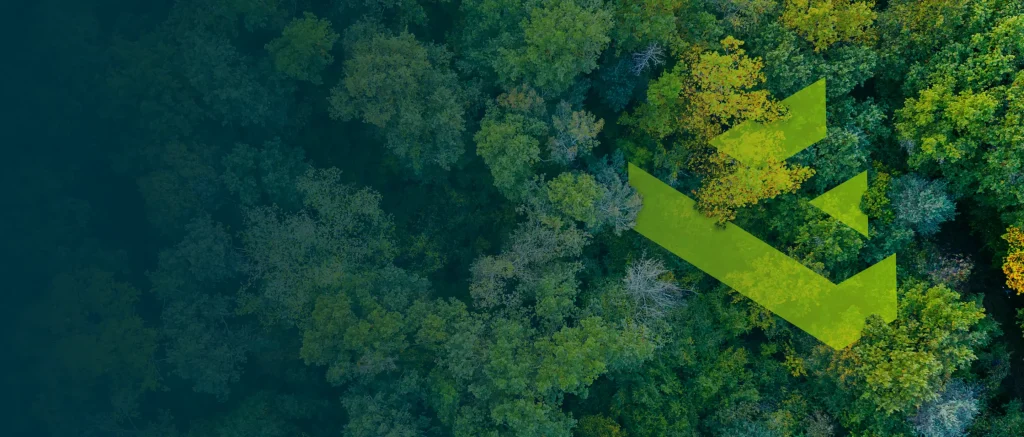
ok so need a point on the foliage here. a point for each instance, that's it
(408, 91)
(205, 240)
(715, 91)
(230, 83)
(645, 22)
(921, 204)
(190, 281)
(1013, 264)
(264, 175)
(826, 22)
(903, 365)
(304, 48)
(575, 133)
(575, 195)
(563, 38)
(962, 121)
(297, 257)
(951, 414)
(508, 140)
(731, 186)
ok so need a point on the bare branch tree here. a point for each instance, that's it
(819, 425)
(650, 57)
(653, 295)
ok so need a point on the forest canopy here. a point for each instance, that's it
(412, 218)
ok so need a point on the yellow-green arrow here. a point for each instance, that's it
(751, 143)
(843, 202)
(833, 313)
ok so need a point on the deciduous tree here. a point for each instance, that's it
(304, 48)
(407, 90)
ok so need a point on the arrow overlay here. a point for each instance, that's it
(753, 143)
(832, 313)
(843, 202)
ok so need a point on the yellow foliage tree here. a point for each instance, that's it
(720, 93)
(826, 22)
(732, 185)
(1013, 264)
(705, 94)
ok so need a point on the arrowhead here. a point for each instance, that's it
(843, 202)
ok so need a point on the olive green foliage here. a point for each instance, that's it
(903, 365)
(407, 90)
(563, 38)
(826, 22)
(304, 48)
(575, 195)
(296, 257)
(412, 218)
(509, 140)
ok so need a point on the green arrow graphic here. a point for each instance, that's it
(843, 202)
(752, 143)
(833, 313)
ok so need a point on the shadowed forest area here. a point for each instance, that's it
(407, 218)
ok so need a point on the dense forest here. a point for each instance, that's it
(413, 217)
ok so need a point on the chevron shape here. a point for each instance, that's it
(752, 143)
(833, 313)
(843, 203)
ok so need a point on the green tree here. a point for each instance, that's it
(196, 280)
(295, 258)
(575, 133)
(598, 426)
(359, 331)
(1009, 424)
(963, 120)
(264, 175)
(304, 48)
(509, 140)
(900, 366)
(563, 39)
(643, 22)
(408, 91)
(575, 195)
(485, 29)
(235, 88)
(826, 22)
